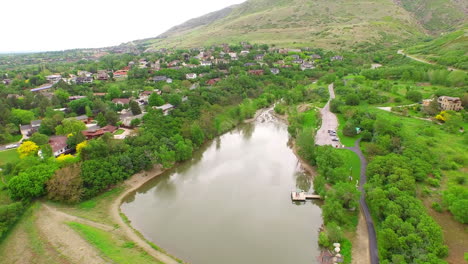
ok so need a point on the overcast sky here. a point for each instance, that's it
(44, 25)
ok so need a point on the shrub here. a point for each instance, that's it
(437, 207)
(433, 182)
(323, 240)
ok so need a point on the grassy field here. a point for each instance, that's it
(353, 162)
(112, 247)
(347, 141)
(7, 156)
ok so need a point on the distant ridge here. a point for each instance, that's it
(331, 24)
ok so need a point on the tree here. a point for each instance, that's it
(155, 100)
(30, 183)
(70, 126)
(114, 92)
(352, 99)
(112, 117)
(135, 108)
(414, 96)
(183, 150)
(21, 117)
(39, 139)
(65, 185)
(135, 122)
(101, 120)
(28, 148)
(74, 139)
(166, 156)
(197, 135)
(79, 106)
(349, 129)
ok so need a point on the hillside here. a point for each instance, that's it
(329, 24)
(449, 50)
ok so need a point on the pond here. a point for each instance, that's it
(232, 203)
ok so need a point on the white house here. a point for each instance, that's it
(190, 76)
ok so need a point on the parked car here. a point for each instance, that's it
(11, 146)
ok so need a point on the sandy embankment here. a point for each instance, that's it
(132, 184)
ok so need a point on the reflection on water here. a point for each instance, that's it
(231, 203)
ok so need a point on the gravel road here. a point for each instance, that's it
(329, 122)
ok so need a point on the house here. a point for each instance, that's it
(121, 101)
(42, 88)
(144, 96)
(244, 52)
(296, 57)
(297, 61)
(142, 63)
(84, 79)
(213, 81)
(59, 145)
(6, 81)
(102, 75)
(339, 58)
(90, 134)
(190, 76)
(259, 57)
(31, 128)
(205, 63)
(275, 71)
(294, 50)
(120, 74)
(256, 72)
(159, 78)
(54, 78)
(427, 102)
(249, 64)
(315, 56)
(307, 66)
(84, 74)
(165, 108)
(168, 80)
(99, 94)
(233, 56)
(450, 103)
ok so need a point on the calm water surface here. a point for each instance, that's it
(231, 204)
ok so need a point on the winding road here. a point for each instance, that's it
(374, 254)
(401, 52)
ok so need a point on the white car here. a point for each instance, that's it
(11, 146)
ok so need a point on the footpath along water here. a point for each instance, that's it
(231, 204)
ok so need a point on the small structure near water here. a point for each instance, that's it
(302, 196)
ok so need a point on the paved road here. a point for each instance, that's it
(374, 254)
(329, 122)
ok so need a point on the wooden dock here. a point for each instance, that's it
(302, 196)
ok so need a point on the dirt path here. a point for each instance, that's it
(360, 251)
(67, 217)
(402, 52)
(51, 223)
(133, 184)
(329, 122)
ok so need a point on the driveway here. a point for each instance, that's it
(329, 122)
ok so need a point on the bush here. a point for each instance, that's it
(433, 182)
(9, 214)
(323, 240)
(414, 96)
(334, 233)
(349, 129)
(437, 207)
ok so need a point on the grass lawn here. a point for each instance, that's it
(353, 162)
(347, 141)
(112, 248)
(119, 132)
(7, 156)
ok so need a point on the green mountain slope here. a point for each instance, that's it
(449, 50)
(331, 24)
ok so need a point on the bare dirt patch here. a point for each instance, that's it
(360, 242)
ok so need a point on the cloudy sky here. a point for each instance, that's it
(32, 25)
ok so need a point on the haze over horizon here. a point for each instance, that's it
(53, 25)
